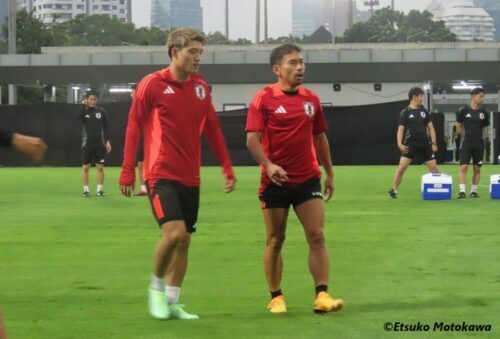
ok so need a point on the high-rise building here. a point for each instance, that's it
(341, 16)
(308, 15)
(57, 11)
(468, 22)
(493, 9)
(167, 14)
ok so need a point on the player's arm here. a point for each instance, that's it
(141, 107)
(322, 148)
(277, 174)
(432, 133)
(33, 147)
(105, 129)
(401, 131)
(460, 115)
(216, 141)
(81, 112)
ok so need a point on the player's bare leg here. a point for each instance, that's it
(3, 332)
(275, 220)
(432, 166)
(463, 180)
(85, 179)
(475, 181)
(312, 216)
(100, 178)
(398, 176)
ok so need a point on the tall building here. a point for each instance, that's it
(493, 9)
(57, 11)
(468, 22)
(341, 16)
(167, 14)
(436, 8)
(308, 15)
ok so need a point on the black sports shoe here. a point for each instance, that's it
(473, 195)
(461, 195)
(100, 193)
(85, 194)
(393, 193)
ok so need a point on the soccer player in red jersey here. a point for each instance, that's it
(172, 107)
(285, 132)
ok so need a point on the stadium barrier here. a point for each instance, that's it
(358, 135)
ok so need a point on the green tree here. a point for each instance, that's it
(217, 38)
(387, 25)
(32, 34)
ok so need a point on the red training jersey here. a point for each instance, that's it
(288, 123)
(172, 115)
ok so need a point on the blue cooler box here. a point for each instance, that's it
(436, 186)
(495, 186)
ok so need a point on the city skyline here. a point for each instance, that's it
(242, 15)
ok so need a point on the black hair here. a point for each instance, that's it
(91, 92)
(279, 52)
(477, 90)
(415, 92)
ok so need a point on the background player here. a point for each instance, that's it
(471, 122)
(413, 133)
(95, 141)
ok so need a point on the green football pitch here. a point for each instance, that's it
(79, 268)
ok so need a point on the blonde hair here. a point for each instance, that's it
(181, 37)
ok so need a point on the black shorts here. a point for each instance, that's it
(171, 200)
(425, 151)
(93, 154)
(140, 154)
(275, 196)
(475, 153)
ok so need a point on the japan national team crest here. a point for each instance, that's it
(200, 92)
(422, 114)
(481, 116)
(309, 109)
(98, 115)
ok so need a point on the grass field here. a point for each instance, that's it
(79, 268)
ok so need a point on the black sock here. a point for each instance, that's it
(321, 288)
(276, 293)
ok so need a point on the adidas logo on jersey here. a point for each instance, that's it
(168, 90)
(411, 116)
(280, 110)
(468, 115)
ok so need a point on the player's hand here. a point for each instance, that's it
(33, 147)
(127, 190)
(230, 184)
(329, 188)
(403, 148)
(277, 174)
(434, 148)
(108, 147)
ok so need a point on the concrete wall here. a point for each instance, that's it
(227, 97)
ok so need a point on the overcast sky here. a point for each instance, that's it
(242, 18)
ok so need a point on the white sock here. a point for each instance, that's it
(85, 188)
(157, 284)
(143, 188)
(462, 187)
(99, 187)
(173, 293)
(473, 188)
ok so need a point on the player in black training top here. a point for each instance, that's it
(95, 141)
(415, 128)
(471, 121)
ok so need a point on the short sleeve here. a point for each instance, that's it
(256, 114)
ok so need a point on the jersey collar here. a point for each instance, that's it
(277, 91)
